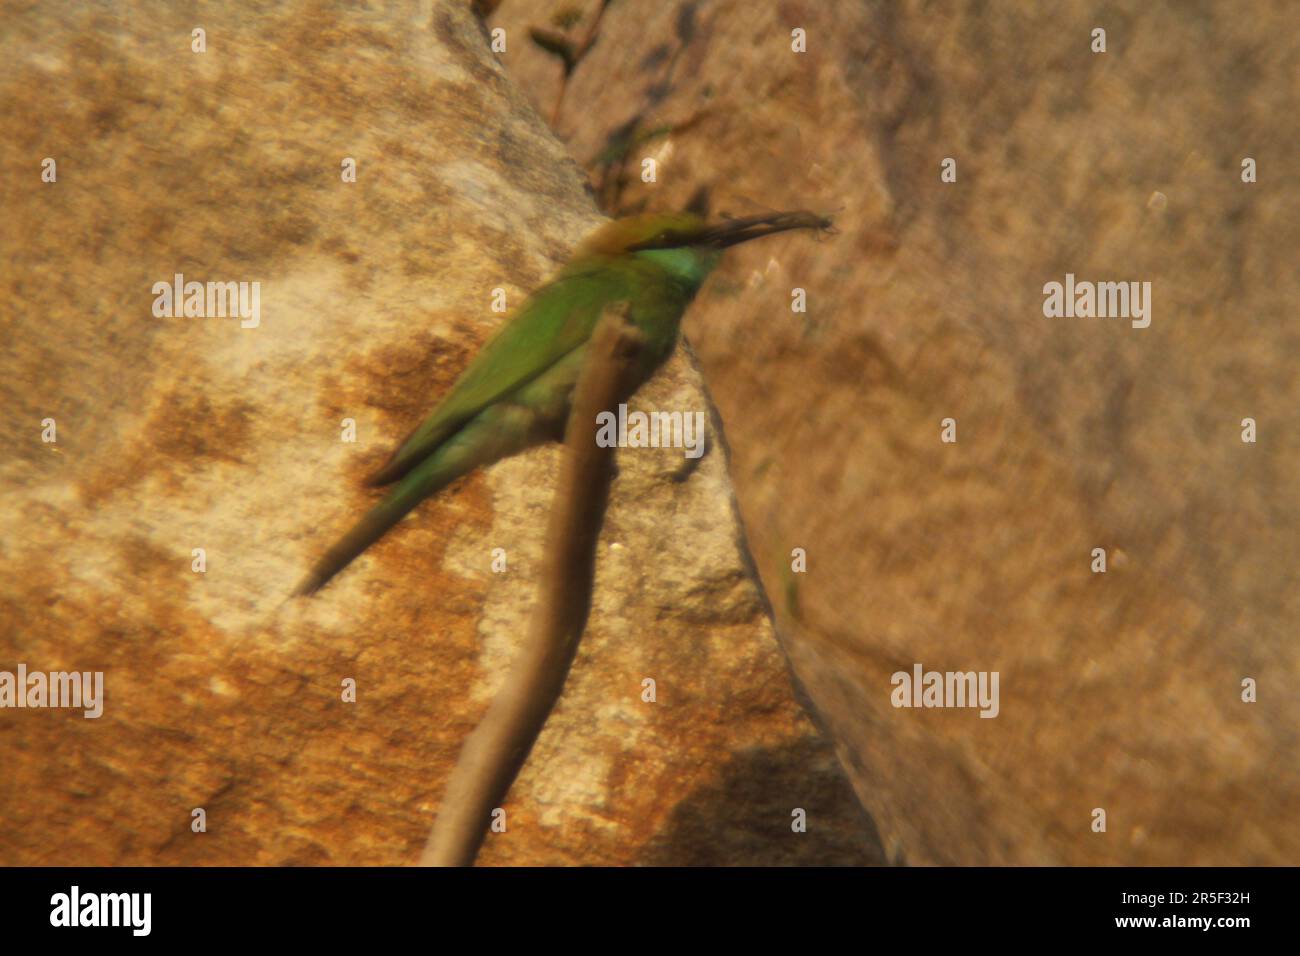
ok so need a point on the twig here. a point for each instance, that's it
(570, 55)
(498, 747)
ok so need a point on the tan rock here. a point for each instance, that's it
(1119, 691)
(184, 433)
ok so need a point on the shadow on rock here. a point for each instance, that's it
(746, 817)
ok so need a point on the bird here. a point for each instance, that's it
(515, 393)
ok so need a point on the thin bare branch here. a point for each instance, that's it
(496, 750)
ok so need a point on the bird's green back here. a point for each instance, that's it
(549, 324)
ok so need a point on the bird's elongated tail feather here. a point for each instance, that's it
(495, 433)
(368, 530)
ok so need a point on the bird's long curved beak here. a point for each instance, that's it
(742, 230)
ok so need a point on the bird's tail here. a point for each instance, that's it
(499, 431)
(368, 530)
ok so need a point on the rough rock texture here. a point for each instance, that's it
(183, 433)
(1118, 691)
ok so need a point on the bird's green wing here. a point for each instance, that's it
(551, 323)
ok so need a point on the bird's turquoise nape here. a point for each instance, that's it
(515, 393)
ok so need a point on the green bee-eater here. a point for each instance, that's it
(515, 394)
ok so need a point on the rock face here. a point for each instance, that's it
(176, 434)
(1120, 691)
